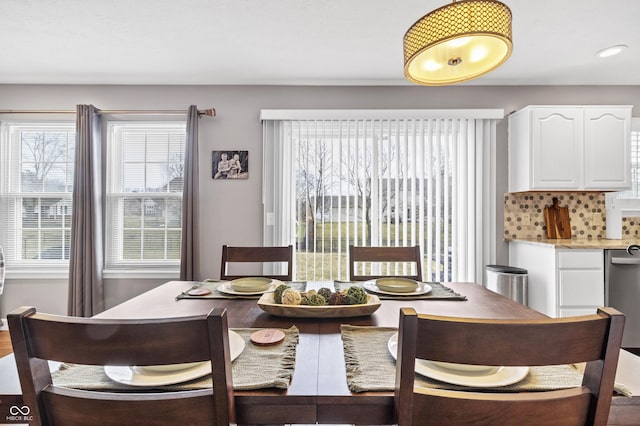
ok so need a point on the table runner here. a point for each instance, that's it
(213, 285)
(370, 367)
(257, 367)
(439, 292)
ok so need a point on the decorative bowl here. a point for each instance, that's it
(267, 304)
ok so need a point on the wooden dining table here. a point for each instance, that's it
(318, 391)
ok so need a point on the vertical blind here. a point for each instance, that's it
(376, 182)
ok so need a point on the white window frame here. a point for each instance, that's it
(11, 195)
(115, 263)
(618, 207)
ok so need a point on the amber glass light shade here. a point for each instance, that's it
(457, 42)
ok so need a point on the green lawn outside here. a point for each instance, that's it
(323, 258)
(331, 235)
(332, 266)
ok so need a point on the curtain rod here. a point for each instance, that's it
(210, 112)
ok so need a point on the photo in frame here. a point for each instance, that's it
(228, 164)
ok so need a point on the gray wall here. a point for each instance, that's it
(237, 127)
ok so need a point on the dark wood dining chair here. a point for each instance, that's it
(407, 255)
(594, 339)
(38, 337)
(273, 255)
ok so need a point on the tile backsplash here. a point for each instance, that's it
(630, 227)
(524, 213)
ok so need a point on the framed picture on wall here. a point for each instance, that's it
(230, 164)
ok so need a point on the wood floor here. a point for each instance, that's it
(5, 343)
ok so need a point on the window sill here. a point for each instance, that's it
(43, 272)
(141, 273)
(49, 273)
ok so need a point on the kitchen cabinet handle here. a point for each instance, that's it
(625, 261)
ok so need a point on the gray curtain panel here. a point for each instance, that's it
(86, 295)
(190, 246)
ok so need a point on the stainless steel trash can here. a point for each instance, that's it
(508, 281)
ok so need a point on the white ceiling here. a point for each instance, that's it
(296, 42)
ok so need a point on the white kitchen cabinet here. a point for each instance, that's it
(570, 148)
(562, 282)
(607, 148)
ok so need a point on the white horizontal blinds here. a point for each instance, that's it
(144, 193)
(36, 183)
(635, 164)
(634, 192)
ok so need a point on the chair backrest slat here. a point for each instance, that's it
(100, 342)
(232, 254)
(407, 255)
(561, 341)
(593, 339)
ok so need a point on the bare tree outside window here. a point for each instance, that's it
(144, 192)
(46, 168)
(337, 176)
(314, 159)
(368, 183)
(362, 171)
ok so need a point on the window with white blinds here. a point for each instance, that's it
(144, 193)
(377, 182)
(634, 192)
(36, 184)
(626, 203)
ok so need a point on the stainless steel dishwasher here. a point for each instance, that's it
(622, 290)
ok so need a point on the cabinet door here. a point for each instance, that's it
(580, 281)
(581, 288)
(557, 148)
(607, 146)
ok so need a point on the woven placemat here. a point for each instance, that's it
(370, 367)
(212, 285)
(439, 292)
(257, 367)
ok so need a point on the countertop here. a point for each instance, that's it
(578, 243)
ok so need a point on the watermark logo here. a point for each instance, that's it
(18, 414)
(15, 410)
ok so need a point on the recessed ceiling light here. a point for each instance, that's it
(610, 51)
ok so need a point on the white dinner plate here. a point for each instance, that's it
(139, 376)
(225, 287)
(251, 284)
(423, 288)
(488, 378)
(397, 284)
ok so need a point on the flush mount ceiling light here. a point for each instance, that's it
(457, 42)
(610, 51)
